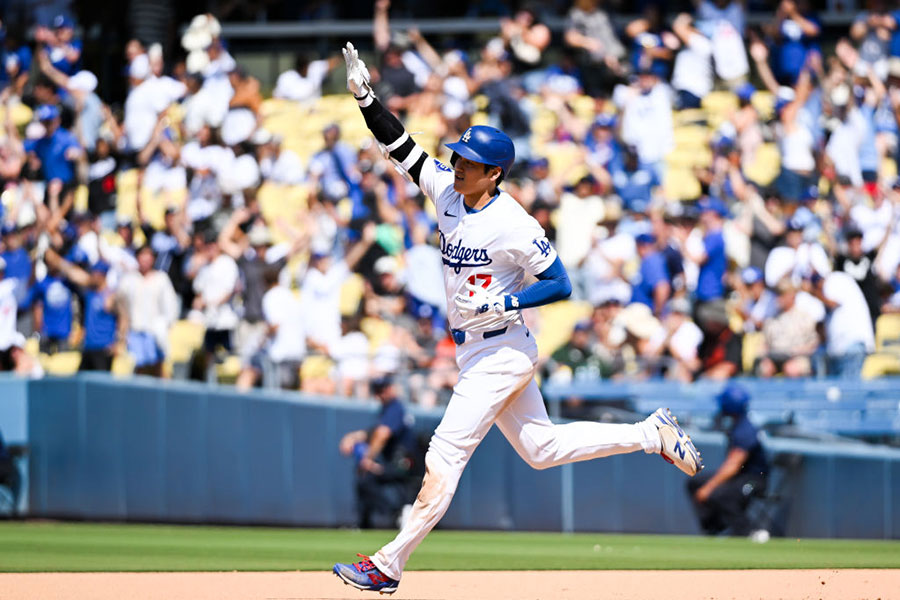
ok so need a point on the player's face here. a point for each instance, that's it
(471, 177)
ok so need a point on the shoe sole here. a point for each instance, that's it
(681, 439)
(386, 591)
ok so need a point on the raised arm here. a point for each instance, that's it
(386, 128)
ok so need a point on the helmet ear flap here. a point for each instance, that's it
(453, 158)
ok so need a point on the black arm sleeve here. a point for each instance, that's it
(387, 129)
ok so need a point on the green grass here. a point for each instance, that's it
(48, 546)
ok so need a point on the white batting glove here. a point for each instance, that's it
(357, 74)
(479, 302)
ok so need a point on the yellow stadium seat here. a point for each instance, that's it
(377, 330)
(887, 333)
(61, 363)
(764, 103)
(228, 370)
(557, 321)
(122, 365)
(691, 137)
(765, 166)
(754, 343)
(184, 338)
(681, 184)
(880, 365)
(316, 367)
(351, 294)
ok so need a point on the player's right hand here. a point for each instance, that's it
(357, 74)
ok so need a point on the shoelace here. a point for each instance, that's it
(364, 565)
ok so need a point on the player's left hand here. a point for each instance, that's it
(357, 73)
(478, 301)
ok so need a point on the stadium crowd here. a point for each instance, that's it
(723, 197)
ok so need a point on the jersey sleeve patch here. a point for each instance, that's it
(441, 166)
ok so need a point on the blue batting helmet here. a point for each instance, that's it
(486, 145)
(733, 400)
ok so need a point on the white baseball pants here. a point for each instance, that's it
(496, 385)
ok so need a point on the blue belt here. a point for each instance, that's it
(459, 335)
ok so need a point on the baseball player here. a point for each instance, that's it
(489, 246)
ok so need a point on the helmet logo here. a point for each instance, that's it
(467, 135)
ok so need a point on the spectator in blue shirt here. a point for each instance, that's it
(99, 308)
(796, 30)
(712, 260)
(57, 151)
(651, 285)
(388, 462)
(18, 262)
(51, 302)
(634, 183)
(16, 62)
(62, 46)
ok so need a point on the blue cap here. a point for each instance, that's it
(583, 325)
(46, 112)
(534, 163)
(733, 400)
(795, 223)
(751, 275)
(645, 238)
(486, 145)
(810, 192)
(60, 21)
(605, 120)
(379, 383)
(715, 205)
(745, 91)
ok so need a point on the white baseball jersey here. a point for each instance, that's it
(493, 247)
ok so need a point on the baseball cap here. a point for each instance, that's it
(139, 67)
(583, 326)
(745, 91)
(795, 224)
(605, 120)
(750, 275)
(853, 232)
(382, 381)
(46, 112)
(709, 203)
(645, 238)
(63, 21)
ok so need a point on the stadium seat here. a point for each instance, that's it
(228, 370)
(122, 365)
(765, 166)
(754, 342)
(61, 363)
(680, 184)
(556, 323)
(351, 294)
(185, 337)
(887, 333)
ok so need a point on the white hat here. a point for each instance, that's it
(140, 67)
(840, 95)
(259, 235)
(155, 51)
(238, 126)
(385, 265)
(196, 39)
(83, 81)
(261, 136)
(638, 320)
(196, 61)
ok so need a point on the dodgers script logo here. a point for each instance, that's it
(458, 256)
(467, 135)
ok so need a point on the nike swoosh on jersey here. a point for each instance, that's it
(447, 214)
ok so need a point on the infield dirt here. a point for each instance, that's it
(845, 584)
